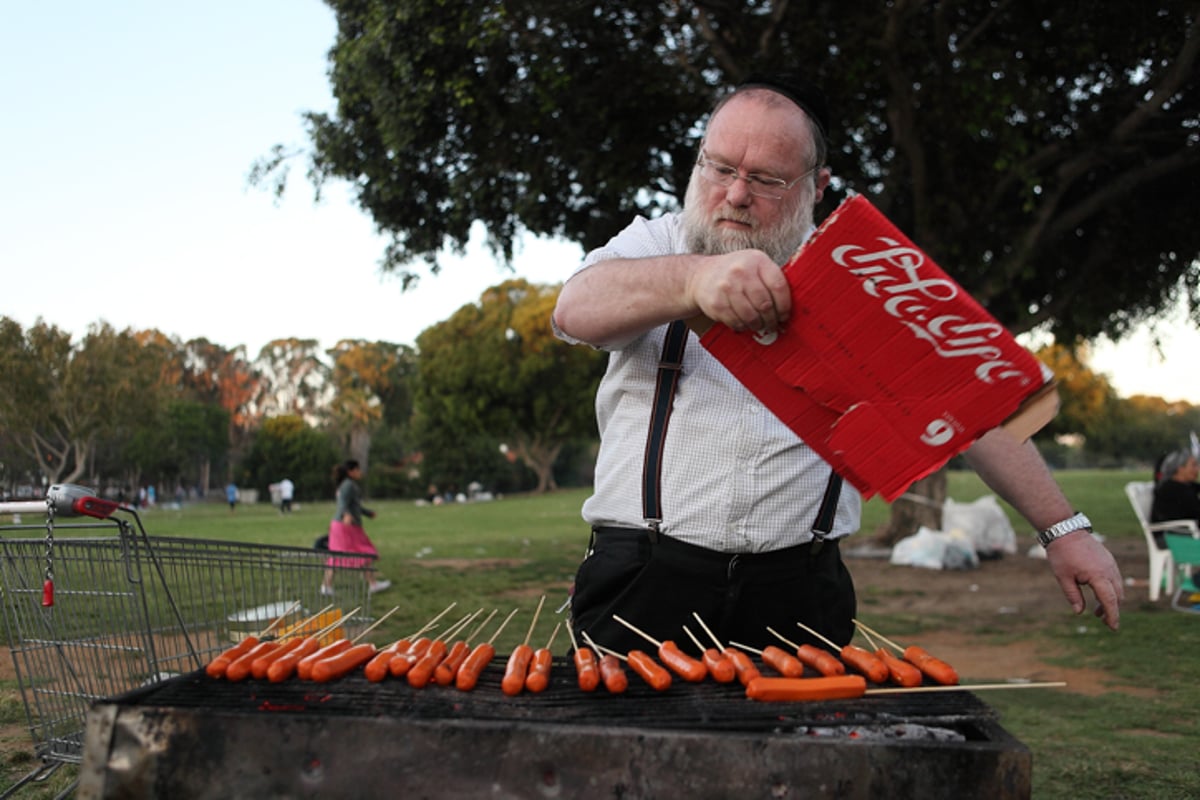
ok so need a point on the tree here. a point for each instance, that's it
(294, 379)
(495, 370)
(288, 447)
(1038, 155)
(61, 398)
(1084, 396)
(371, 385)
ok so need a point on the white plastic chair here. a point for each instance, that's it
(1162, 565)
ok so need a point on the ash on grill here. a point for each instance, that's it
(199, 737)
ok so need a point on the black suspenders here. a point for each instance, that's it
(670, 366)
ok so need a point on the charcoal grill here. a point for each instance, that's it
(194, 737)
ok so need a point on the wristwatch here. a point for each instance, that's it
(1060, 529)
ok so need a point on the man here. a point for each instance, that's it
(723, 512)
(287, 491)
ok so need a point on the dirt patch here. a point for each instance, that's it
(963, 612)
(463, 564)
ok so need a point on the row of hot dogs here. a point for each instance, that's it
(452, 660)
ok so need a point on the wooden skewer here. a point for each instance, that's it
(460, 626)
(533, 622)
(337, 623)
(639, 631)
(692, 636)
(882, 638)
(602, 650)
(502, 624)
(279, 620)
(553, 633)
(870, 641)
(781, 638)
(746, 647)
(824, 639)
(571, 633)
(482, 625)
(964, 687)
(707, 630)
(374, 625)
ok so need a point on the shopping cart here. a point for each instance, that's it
(95, 607)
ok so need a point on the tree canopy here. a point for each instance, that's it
(1038, 154)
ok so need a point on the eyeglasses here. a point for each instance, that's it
(766, 186)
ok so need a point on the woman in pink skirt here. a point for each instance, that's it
(346, 532)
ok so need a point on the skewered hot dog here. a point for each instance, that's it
(681, 663)
(259, 666)
(613, 674)
(746, 671)
(650, 671)
(587, 670)
(866, 662)
(720, 667)
(902, 672)
(422, 672)
(448, 669)
(782, 662)
(839, 687)
(240, 668)
(516, 670)
(341, 664)
(283, 667)
(935, 668)
(403, 661)
(820, 660)
(305, 666)
(469, 672)
(538, 677)
(216, 668)
(378, 667)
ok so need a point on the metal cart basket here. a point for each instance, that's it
(96, 608)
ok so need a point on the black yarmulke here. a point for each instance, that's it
(796, 89)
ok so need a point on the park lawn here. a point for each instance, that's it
(511, 552)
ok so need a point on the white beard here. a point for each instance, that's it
(703, 236)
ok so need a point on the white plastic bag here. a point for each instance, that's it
(931, 549)
(984, 522)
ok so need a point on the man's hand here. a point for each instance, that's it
(1078, 560)
(745, 290)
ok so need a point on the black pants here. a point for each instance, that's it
(658, 586)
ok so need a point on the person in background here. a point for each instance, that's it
(231, 495)
(287, 490)
(750, 516)
(346, 533)
(1177, 495)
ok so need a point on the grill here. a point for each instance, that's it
(195, 737)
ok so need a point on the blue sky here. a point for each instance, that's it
(129, 129)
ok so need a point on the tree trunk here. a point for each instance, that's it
(360, 445)
(920, 505)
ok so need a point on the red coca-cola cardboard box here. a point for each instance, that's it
(887, 368)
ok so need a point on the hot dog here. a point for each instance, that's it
(341, 664)
(587, 671)
(720, 667)
(538, 677)
(681, 663)
(782, 662)
(403, 661)
(650, 670)
(866, 662)
(283, 667)
(778, 690)
(455, 656)
(216, 668)
(239, 669)
(613, 674)
(258, 667)
(469, 672)
(377, 668)
(304, 667)
(746, 671)
(516, 670)
(902, 672)
(820, 660)
(935, 668)
(422, 672)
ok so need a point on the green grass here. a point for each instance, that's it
(508, 553)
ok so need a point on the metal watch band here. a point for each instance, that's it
(1071, 524)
